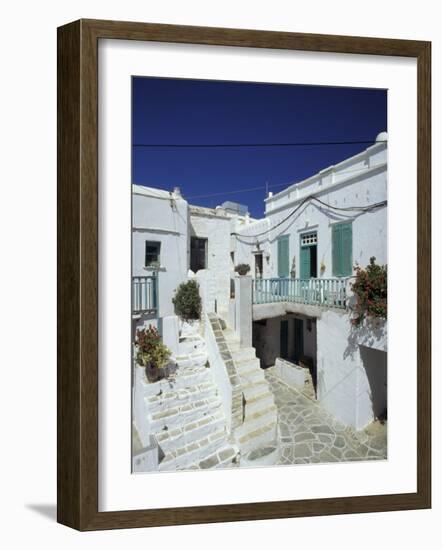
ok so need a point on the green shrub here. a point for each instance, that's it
(370, 288)
(242, 269)
(187, 301)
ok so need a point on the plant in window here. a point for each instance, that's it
(187, 301)
(242, 269)
(151, 353)
(370, 288)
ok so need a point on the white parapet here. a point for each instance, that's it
(291, 374)
(243, 309)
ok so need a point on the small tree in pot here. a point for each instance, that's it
(187, 301)
(242, 269)
(151, 353)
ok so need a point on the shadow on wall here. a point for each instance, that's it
(375, 365)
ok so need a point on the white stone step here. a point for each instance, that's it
(180, 396)
(227, 457)
(198, 358)
(260, 437)
(185, 434)
(243, 354)
(230, 336)
(258, 388)
(257, 419)
(189, 412)
(250, 370)
(191, 344)
(189, 377)
(195, 452)
(258, 402)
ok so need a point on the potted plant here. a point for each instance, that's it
(187, 301)
(242, 269)
(151, 353)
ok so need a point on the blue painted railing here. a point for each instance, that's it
(319, 292)
(145, 294)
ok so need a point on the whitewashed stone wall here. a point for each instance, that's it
(161, 216)
(358, 181)
(351, 383)
(214, 226)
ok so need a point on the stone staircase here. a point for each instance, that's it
(257, 436)
(185, 413)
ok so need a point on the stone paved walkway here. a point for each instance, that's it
(309, 434)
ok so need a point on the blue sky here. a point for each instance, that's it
(189, 112)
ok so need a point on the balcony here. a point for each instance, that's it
(315, 292)
(145, 295)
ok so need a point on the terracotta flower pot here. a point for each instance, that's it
(153, 373)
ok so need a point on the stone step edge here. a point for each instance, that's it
(256, 433)
(175, 433)
(173, 394)
(189, 448)
(203, 404)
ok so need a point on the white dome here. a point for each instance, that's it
(383, 136)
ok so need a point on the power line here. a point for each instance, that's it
(367, 208)
(266, 187)
(288, 144)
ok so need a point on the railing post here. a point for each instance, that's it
(243, 309)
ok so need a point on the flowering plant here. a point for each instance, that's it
(370, 288)
(150, 350)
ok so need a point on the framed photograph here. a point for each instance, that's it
(243, 275)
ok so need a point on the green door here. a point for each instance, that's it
(284, 340)
(299, 339)
(305, 262)
(283, 256)
(342, 249)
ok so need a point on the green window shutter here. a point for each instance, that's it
(347, 249)
(342, 249)
(336, 250)
(305, 262)
(283, 256)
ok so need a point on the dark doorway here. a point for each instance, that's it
(284, 340)
(258, 266)
(299, 339)
(198, 254)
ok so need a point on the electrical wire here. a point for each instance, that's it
(287, 184)
(310, 198)
(288, 144)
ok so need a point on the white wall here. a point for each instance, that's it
(157, 218)
(358, 181)
(215, 227)
(345, 382)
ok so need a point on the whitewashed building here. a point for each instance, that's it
(313, 234)
(294, 308)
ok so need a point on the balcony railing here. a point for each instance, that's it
(145, 294)
(318, 292)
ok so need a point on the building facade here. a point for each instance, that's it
(294, 309)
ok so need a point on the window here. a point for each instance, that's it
(198, 254)
(258, 266)
(152, 254)
(308, 239)
(342, 249)
(308, 257)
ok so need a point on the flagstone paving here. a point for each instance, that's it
(309, 434)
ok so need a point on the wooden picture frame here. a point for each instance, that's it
(78, 274)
